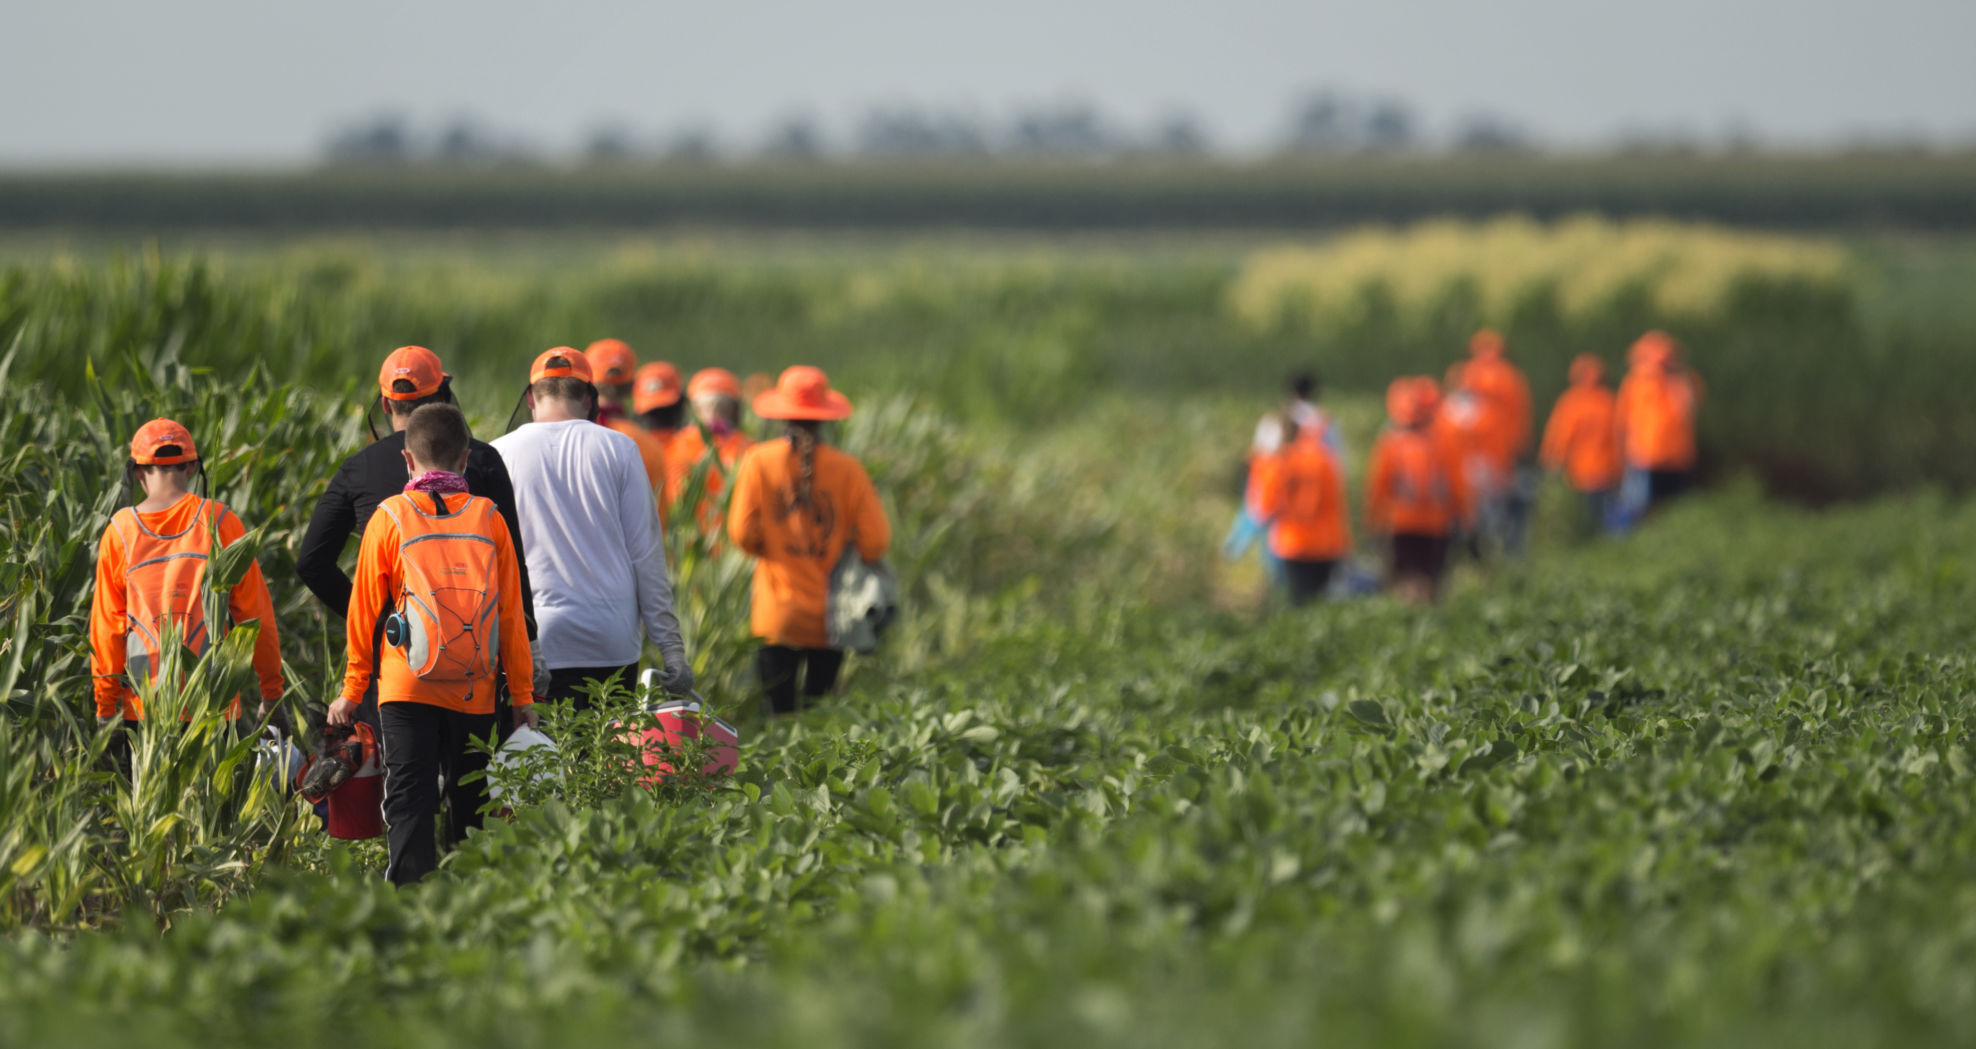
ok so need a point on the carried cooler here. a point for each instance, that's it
(677, 721)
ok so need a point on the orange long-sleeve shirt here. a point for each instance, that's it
(1654, 415)
(108, 609)
(797, 547)
(376, 586)
(1414, 485)
(1582, 438)
(651, 448)
(1506, 410)
(1303, 499)
(683, 454)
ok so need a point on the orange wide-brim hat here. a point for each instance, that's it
(559, 362)
(612, 362)
(414, 364)
(162, 433)
(658, 386)
(803, 393)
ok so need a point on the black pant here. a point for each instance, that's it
(1307, 579)
(423, 743)
(572, 683)
(779, 665)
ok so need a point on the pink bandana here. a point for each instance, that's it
(437, 481)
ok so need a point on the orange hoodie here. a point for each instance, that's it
(179, 529)
(1414, 485)
(1581, 438)
(797, 547)
(1303, 499)
(377, 585)
(1655, 415)
(1504, 434)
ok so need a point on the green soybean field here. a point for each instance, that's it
(1708, 784)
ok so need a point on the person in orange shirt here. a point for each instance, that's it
(1503, 439)
(151, 580)
(1581, 440)
(1414, 491)
(1655, 417)
(716, 398)
(613, 368)
(798, 505)
(441, 563)
(1301, 498)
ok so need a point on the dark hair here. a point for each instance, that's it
(670, 417)
(443, 395)
(1303, 385)
(564, 388)
(437, 436)
(805, 435)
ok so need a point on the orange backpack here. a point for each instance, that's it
(164, 586)
(448, 616)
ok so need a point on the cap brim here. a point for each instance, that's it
(772, 405)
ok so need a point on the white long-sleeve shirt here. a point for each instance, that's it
(590, 532)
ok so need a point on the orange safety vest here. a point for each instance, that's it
(1656, 412)
(164, 588)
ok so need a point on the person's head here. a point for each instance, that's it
(1656, 350)
(163, 458)
(716, 397)
(658, 396)
(612, 365)
(1304, 386)
(1486, 344)
(803, 401)
(559, 386)
(410, 379)
(437, 438)
(1587, 370)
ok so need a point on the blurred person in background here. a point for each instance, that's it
(1458, 424)
(410, 378)
(150, 580)
(614, 368)
(1504, 439)
(1655, 418)
(1301, 414)
(1301, 500)
(592, 538)
(1415, 496)
(658, 396)
(715, 396)
(1581, 441)
(799, 506)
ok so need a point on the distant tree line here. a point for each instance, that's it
(1321, 123)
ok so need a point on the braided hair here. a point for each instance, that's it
(805, 436)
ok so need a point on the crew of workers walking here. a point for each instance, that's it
(1450, 467)
(491, 577)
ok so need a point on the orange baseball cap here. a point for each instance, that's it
(1402, 401)
(1427, 399)
(1586, 369)
(658, 386)
(714, 382)
(559, 362)
(1655, 349)
(803, 392)
(162, 433)
(414, 364)
(1487, 343)
(611, 361)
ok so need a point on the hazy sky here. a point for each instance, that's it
(89, 81)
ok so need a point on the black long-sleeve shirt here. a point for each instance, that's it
(367, 479)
